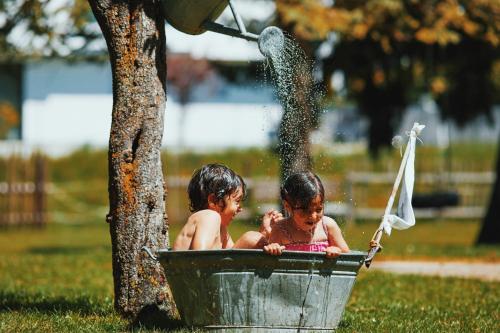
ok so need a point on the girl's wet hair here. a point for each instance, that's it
(214, 179)
(300, 188)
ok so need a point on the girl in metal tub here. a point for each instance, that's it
(215, 193)
(305, 228)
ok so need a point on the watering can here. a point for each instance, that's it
(194, 17)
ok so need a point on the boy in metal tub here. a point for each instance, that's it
(215, 194)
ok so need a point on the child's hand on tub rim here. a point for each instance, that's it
(274, 249)
(333, 252)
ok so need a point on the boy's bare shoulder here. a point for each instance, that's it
(205, 216)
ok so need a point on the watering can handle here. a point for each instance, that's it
(148, 251)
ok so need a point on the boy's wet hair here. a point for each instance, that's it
(300, 188)
(214, 179)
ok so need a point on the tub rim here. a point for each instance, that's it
(286, 253)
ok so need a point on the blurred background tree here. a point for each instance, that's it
(9, 117)
(391, 52)
(185, 74)
(33, 29)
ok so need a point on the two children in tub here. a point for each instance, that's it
(215, 194)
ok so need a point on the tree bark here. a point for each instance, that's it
(490, 230)
(135, 36)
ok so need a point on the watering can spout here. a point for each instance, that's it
(197, 16)
(271, 41)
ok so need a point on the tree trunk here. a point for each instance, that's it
(380, 128)
(135, 36)
(490, 230)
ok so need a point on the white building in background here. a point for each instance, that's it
(67, 105)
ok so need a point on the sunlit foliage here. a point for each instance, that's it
(393, 51)
(42, 28)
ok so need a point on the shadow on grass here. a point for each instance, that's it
(67, 250)
(21, 301)
(153, 318)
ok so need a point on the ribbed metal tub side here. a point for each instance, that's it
(250, 291)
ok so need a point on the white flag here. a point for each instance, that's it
(405, 217)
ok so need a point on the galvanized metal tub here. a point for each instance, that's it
(251, 291)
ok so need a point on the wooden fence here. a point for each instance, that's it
(22, 190)
(359, 195)
(370, 193)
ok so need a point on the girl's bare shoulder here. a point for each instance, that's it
(329, 222)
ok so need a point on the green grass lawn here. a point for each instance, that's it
(58, 279)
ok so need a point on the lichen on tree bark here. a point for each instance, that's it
(135, 36)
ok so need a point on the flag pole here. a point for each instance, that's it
(375, 242)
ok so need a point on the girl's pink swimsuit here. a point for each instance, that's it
(311, 247)
(301, 246)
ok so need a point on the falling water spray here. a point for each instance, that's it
(291, 74)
